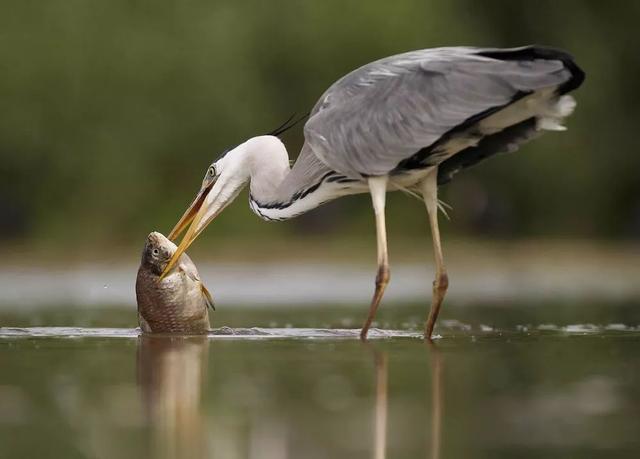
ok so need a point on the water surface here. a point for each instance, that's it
(487, 388)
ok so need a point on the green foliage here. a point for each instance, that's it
(111, 112)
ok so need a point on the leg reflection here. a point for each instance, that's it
(171, 372)
(380, 434)
(437, 402)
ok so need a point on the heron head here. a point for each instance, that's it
(221, 184)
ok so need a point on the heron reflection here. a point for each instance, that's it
(381, 409)
(381, 362)
(171, 372)
(437, 402)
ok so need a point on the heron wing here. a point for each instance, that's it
(372, 119)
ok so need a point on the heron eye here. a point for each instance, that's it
(212, 171)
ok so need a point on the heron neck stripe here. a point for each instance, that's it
(298, 195)
(256, 208)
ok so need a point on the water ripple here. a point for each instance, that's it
(449, 329)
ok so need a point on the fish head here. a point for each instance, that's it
(157, 252)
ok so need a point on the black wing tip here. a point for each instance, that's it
(532, 52)
(288, 124)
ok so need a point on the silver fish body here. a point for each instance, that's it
(175, 303)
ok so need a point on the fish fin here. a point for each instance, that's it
(208, 297)
(191, 273)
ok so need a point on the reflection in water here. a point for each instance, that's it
(313, 399)
(171, 372)
(382, 372)
(381, 362)
(437, 401)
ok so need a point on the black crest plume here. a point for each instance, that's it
(284, 127)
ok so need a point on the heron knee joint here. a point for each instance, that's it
(441, 282)
(383, 275)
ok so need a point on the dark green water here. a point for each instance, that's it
(566, 391)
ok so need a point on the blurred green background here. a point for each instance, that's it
(111, 112)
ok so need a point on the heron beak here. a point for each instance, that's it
(190, 213)
(192, 216)
(207, 205)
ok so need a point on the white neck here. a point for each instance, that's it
(268, 165)
(277, 192)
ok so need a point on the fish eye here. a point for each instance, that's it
(156, 251)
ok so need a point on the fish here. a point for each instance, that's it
(179, 302)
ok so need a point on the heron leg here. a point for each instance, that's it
(378, 190)
(441, 282)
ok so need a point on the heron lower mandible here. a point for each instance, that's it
(405, 122)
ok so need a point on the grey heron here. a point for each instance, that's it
(405, 122)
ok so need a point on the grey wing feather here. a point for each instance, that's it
(384, 112)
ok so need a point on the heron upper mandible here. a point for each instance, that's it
(405, 122)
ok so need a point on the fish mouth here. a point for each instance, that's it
(158, 239)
